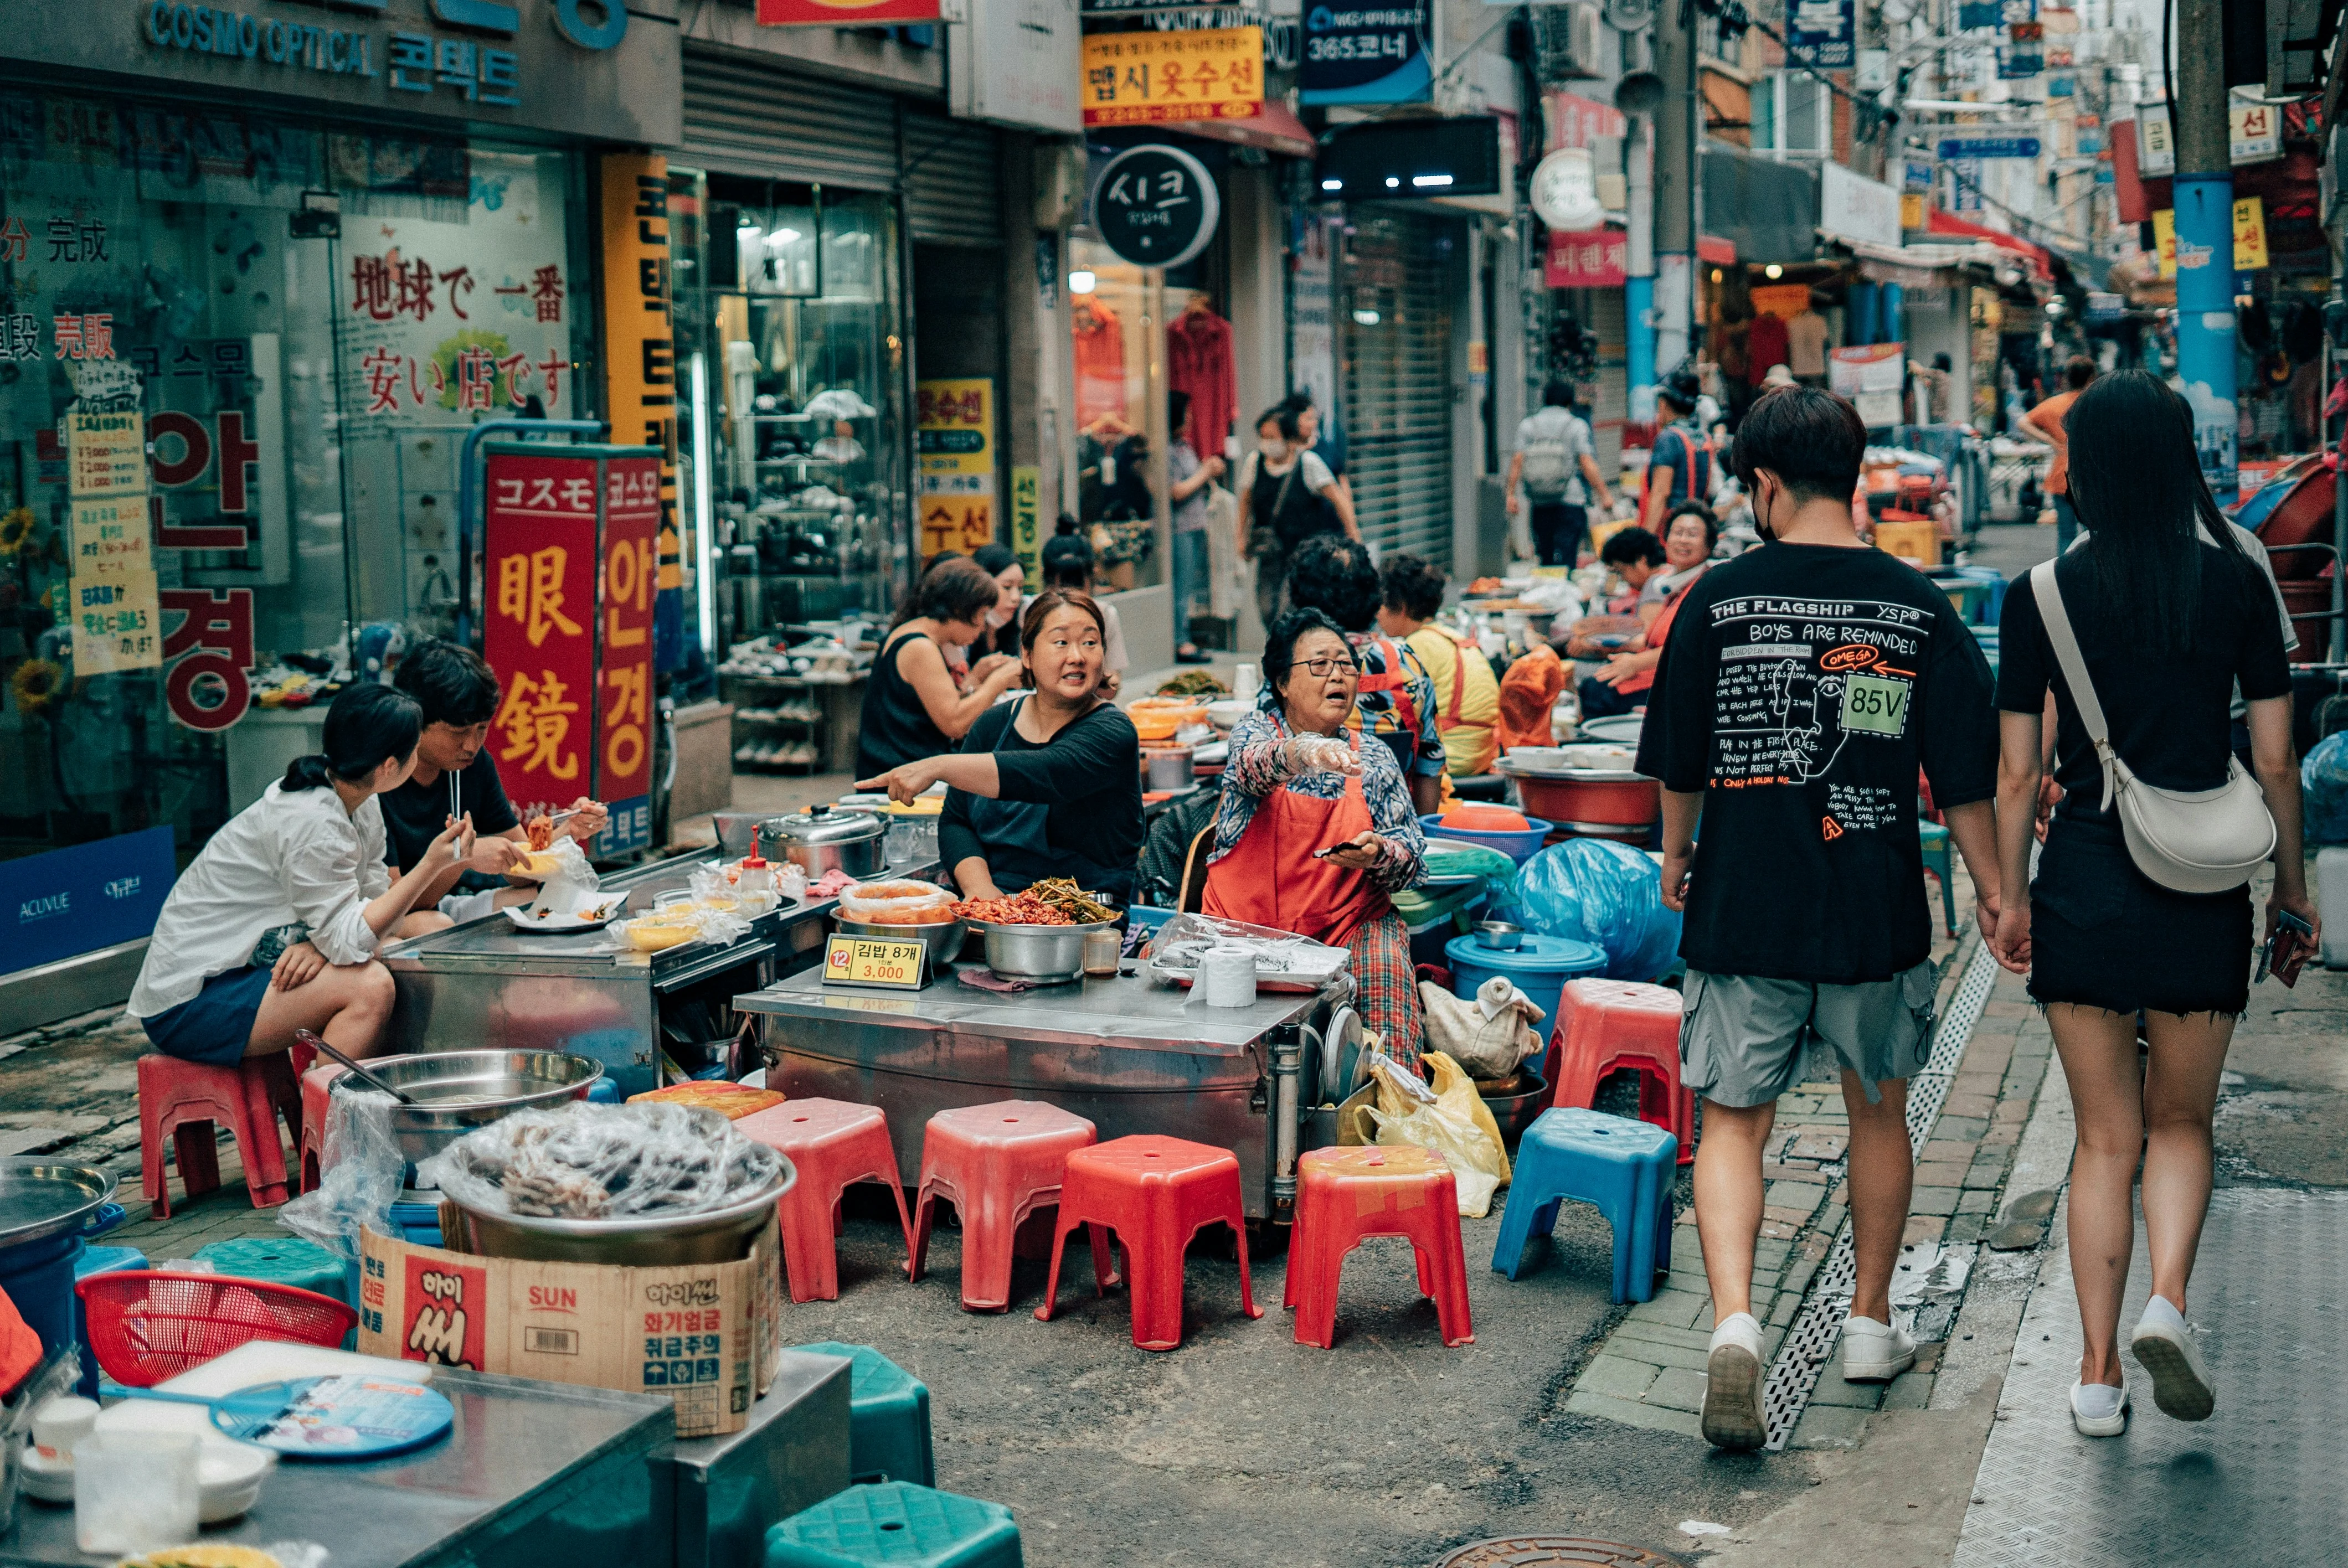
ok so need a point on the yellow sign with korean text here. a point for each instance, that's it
(109, 538)
(876, 962)
(1912, 210)
(2250, 236)
(954, 422)
(1141, 78)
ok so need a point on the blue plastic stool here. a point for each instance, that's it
(1941, 863)
(281, 1260)
(888, 1418)
(1992, 606)
(97, 1260)
(900, 1524)
(1625, 1168)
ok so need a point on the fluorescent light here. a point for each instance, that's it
(1428, 179)
(1333, 185)
(1774, 270)
(1392, 182)
(704, 526)
(1082, 281)
(1365, 318)
(781, 238)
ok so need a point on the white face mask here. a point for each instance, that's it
(1273, 451)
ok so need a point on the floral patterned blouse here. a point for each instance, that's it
(1257, 768)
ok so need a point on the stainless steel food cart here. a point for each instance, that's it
(1131, 1056)
(489, 983)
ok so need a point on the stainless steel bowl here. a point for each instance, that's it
(1047, 955)
(945, 938)
(717, 1236)
(462, 1090)
(1171, 767)
(1501, 934)
(42, 1197)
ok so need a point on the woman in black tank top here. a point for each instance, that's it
(912, 706)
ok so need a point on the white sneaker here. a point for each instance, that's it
(1732, 1385)
(1875, 1352)
(2163, 1346)
(2098, 1409)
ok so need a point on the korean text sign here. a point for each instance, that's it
(1134, 78)
(956, 424)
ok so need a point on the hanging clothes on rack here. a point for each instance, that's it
(1099, 340)
(1199, 362)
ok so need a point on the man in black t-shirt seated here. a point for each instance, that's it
(1801, 689)
(458, 693)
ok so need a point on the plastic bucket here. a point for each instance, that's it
(1539, 968)
(39, 1276)
(1519, 846)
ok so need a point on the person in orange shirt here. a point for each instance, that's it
(2045, 422)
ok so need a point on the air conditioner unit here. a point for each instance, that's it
(1571, 35)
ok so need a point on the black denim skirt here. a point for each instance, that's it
(2104, 935)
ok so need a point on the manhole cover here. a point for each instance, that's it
(1537, 1550)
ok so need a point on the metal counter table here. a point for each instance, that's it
(533, 1473)
(1130, 1056)
(489, 983)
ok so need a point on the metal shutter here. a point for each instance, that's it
(950, 180)
(1397, 381)
(745, 116)
(1603, 313)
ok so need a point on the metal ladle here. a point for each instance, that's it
(369, 1079)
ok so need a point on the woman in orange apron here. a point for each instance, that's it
(1316, 829)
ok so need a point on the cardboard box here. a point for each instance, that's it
(709, 1334)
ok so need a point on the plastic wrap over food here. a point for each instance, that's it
(1181, 942)
(583, 1162)
(360, 1173)
(571, 865)
(903, 901)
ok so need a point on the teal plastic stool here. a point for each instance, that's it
(896, 1523)
(281, 1260)
(1941, 863)
(888, 1419)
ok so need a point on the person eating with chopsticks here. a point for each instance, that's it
(454, 774)
(1049, 785)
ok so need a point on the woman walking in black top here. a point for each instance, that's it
(2169, 613)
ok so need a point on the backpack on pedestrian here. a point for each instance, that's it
(1549, 465)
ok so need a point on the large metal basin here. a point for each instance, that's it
(462, 1090)
(719, 1236)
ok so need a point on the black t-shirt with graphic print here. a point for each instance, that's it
(1801, 689)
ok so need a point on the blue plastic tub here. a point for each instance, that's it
(94, 1261)
(1541, 968)
(39, 1277)
(1148, 918)
(1518, 847)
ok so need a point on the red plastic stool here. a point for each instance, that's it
(1346, 1194)
(185, 1100)
(316, 1085)
(996, 1164)
(1602, 1025)
(833, 1145)
(1155, 1193)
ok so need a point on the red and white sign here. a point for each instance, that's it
(632, 517)
(1594, 259)
(1577, 121)
(844, 13)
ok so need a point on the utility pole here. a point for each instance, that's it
(2205, 239)
(1678, 189)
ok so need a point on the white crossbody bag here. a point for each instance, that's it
(2194, 841)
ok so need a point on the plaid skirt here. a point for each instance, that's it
(1385, 986)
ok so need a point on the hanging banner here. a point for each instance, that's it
(1149, 78)
(1594, 259)
(845, 12)
(1361, 56)
(640, 359)
(1823, 35)
(633, 552)
(1026, 518)
(956, 422)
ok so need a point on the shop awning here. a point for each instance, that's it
(2042, 263)
(1922, 265)
(1764, 210)
(1274, 129)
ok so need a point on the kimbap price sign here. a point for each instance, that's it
(872, 963)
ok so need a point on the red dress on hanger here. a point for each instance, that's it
(1100, 360)
(1199, 362)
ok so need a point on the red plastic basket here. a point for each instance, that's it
(147, 1326)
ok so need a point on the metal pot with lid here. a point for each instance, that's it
(826, 837)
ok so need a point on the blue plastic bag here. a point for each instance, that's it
(1596, 890)
(2323, 780)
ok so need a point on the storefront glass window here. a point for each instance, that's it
(796, 366)
(1116, 321)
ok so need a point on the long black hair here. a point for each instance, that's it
(2136, 481)
(367, 726)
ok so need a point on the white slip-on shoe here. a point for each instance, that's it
(2098, 1409)
(1875, 1351)
(2163, 1346)
(1732, 1385)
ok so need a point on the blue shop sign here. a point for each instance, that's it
(1970, 147)
(1823, 35)
(629, 830)
(77, 900)
(1365, 55)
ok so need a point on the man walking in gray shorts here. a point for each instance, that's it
(1804, 685)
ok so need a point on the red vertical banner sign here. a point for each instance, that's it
(540, 576)
(632, 522)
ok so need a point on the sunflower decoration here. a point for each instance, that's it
(16, 530)
(36, 683)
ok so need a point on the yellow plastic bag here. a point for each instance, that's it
(1409, 1112)
(1456, 1093)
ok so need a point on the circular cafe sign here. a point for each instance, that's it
(1156, 205)
(1565, 191)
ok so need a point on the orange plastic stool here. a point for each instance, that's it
(1602, 1025)
(998, 1164)
(185, 1100)
(833, 1145)
(1155, 1193)
(316, 1086)
(1346, 1194)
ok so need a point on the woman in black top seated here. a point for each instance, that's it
(912, 706)
(1049, 785)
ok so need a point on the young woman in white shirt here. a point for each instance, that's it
(274, 928)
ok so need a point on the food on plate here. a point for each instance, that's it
(1063, 894)
(1056, 901)
(1194, 684)
(204, 1554)
(731, 1101)
(1484, 585)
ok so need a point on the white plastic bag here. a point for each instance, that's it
(899, 901)
(601, 1161)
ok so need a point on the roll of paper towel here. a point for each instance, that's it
(1227, 976)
